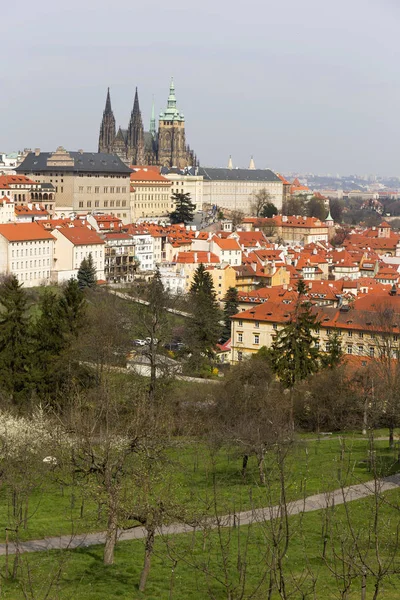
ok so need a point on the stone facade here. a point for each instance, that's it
(135, 146)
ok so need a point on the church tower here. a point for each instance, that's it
(135, 138)
(107, 127)
(172, 149)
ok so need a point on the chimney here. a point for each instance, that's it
(80, 151)
(37, 151)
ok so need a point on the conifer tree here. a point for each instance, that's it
(204, 329)
(50, 340)
(334, 355)
(184, 209)
(231, 308)
(294, 354)
(72, 304)
(87, 275)
(15, 341)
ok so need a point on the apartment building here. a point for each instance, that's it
(27, 251)
(150, 194)
(84, 181)
(73, 244)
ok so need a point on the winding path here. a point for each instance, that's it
(258, 515)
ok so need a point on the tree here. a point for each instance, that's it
(72, 304)
(87, 274)
(294, 354)
(336, 209)
(237, 217)
(203, 329)
(294, 206)
(333, 357)
(316, 208)
(269, 210)
(184, 209)
(231, 308)
(15, 341)
(50, 339)
(260, 200)
(156, 326)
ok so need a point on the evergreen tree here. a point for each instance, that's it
(87, 275)
(72, 304)
(269, 210)
(333, 357)
(184, 209)
(294, 355)
(231, 308)
(15, 341)
(204, 329)
(50, 340)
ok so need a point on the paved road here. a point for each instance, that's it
(309, 504)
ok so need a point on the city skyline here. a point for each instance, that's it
(299, 89)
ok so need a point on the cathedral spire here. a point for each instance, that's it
(108, 109)
(136, 108)
(153, 121)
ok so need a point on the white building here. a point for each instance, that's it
(26, 250)
(9, 162)
(173, 278)
(7, 212)
(73, 244)
(234, 189)
(186, 182)
(144, 251)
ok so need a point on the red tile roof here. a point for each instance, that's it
(81, 236)
(24, 232)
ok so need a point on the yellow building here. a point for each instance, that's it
(150, 194)
(224, 277)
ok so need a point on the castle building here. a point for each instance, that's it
(135, 146)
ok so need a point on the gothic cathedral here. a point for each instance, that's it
(135, 146)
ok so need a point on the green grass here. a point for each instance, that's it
(177, 572)
(198, 475)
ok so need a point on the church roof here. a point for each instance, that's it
(211, 174)
(92, 162)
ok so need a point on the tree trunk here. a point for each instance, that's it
(244, 464)
(147, 558)
(391, 435)
(260, 461)
(111, 539)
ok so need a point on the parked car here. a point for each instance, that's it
(139, 342)
(148, 340)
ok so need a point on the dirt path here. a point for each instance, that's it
(258, 515)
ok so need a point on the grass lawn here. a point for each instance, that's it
(200, 475)
(178, 563)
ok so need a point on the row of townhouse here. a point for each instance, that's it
(364, 326)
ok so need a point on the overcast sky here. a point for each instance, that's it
(303, 85)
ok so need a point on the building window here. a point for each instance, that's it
(105, 190)
(96, 203)
(81, 189)
(361, 334)
(349, 349)
(274, 326)
(97, 190)
(257, 324)
(105, 203)
(240, 337)
(89, 203)
(80, 204)
(112, 190)
(350, 334)
(371, 351)
(89, 189)
(240, 356)
(257, 338)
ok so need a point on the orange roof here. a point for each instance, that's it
(227, 243)
(23, 209)
(81, 236)
(147, 175)
(9, 180)
(192, 257)
(24, 232)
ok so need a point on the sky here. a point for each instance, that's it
(307, 86)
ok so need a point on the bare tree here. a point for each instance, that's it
(260, 200)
